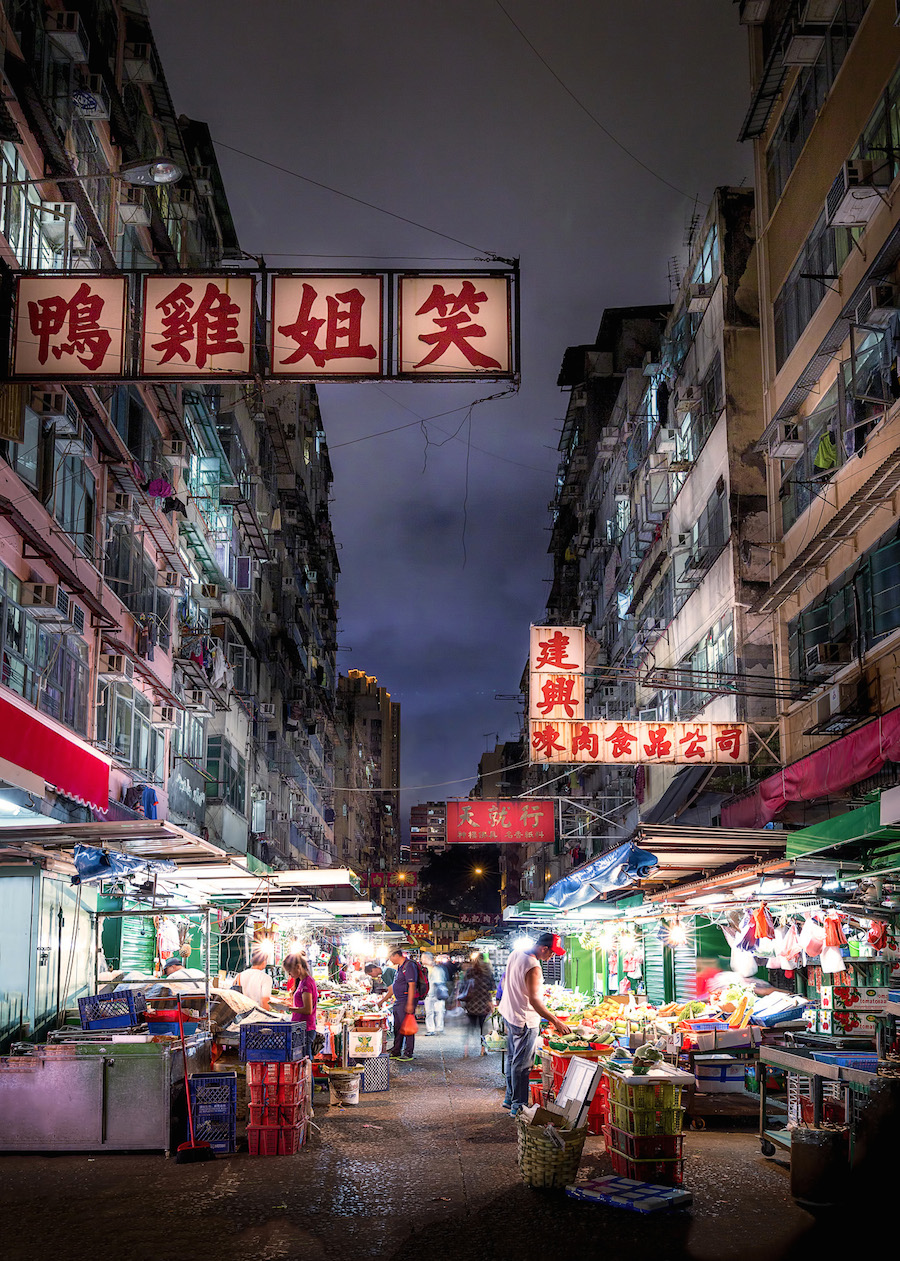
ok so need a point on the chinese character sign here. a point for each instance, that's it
(520, 820)
(70, 326)
(556, 659)
(680, 743)
(326, 326)
(196, 326)
(454, 325)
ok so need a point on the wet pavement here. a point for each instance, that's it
(427, 1169)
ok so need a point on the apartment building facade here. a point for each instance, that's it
(168, 568)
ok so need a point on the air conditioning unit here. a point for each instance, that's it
(120, 508)
(787, 443)
(115, 667)
(654, 624)
(855, 194)
(62, 221)
(175, 450)
(290, 432)
(753, 12)
(163, 716)
(843, 697)
(203, 181)
(267, 710)
(283, 816)
(66, 35)
(879, 306)
(209, 593)
(658, 459)
(825, 658)
(86, 259)
(648, 715)
(289, 586)
(169, 580)
(197, 700)
(667, 441)
(133, 207)
(699, 295)
(91, 99)
(79, 444)
(57, 410)
(230, 494)
(290, 516)
(40, 600)
(622, 490)
(69, 616)
(686, 401)
(138, 64)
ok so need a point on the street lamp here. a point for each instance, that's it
(143, 172)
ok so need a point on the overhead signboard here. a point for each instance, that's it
(329, 326)
(556, 672)
(648, 743)
(518, 822)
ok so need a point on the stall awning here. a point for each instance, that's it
(838, 766)
(41, 747)
(685, 852)
(681, 791)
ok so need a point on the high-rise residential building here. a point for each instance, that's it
(427, 829)
(822, 119)
(167, 565)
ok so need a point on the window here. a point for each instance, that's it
(823, 255)
(132, 575)
(713, 655)
(228, 773)
(72, 499)
(706, 269)
(25, 456)
(189, 736)
(124, 727)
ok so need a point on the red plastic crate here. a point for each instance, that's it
(598, 1112)
(291, 1139)
(667, 1172)
(263, 1139)
(293, 1114)
(537, 1094)
(261, 1114)
(644, 1146)
(272, 1073)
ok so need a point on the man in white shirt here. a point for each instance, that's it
(255, 982)
(522, 1009)
(436, 998)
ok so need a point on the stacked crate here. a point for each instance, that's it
(644, 1134)
(213, 1104)
(280, 1106)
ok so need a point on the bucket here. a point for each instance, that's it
(344, 1088)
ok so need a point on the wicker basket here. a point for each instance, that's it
(542, 1163)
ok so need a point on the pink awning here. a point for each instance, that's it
(839, 765)
(38, 745)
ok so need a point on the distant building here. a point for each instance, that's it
(427, 829)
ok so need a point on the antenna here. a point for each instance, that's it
(693, 223)
(673, 272)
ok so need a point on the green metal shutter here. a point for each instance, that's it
(654, 966)
(137, 948)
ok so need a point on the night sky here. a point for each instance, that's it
(442, 113)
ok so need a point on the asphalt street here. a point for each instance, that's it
(427, 1169)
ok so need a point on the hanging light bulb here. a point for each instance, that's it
(677, 934)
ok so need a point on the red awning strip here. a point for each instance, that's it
(35, 743)
(839, 765)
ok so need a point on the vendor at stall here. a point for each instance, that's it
(173, 970)
(254, 982)
(305, 996)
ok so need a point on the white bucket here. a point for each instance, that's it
(344, 1088)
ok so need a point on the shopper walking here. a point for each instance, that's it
(522, 1009)
(405, 993)
(305, 999)
(477, 998)
(436, 998)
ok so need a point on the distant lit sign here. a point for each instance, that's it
(681, 743)
(454, 324)
(326, 326)
(196, 326)
(518, 821)
(556, 672)
(69, 326)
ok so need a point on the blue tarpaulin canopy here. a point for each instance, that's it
(101, 864)
(613, 870)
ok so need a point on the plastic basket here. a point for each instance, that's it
(665, 1172)
(868, 1062)
(376, 1075)
(291, 1139)
(644, 1146)
(272, 1041)
(217, 1127)
(656, 1093)
(278, 1096)
(262, 1140)
(120, 1009)
(276, 1073)
(800, 1104)
(264, 1114)
(213, 1089)
(293, 1114)
(646, 1120)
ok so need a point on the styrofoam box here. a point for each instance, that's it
(717, 1068)
(721, 1039)
(861, 1023)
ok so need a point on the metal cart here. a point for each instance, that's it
(825, 1082)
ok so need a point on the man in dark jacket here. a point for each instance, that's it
(405, 995)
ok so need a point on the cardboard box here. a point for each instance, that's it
(862, 1023)
(853, 998)
(733, 1039)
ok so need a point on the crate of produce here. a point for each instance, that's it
(120, 1009)
(644, 1146)
(272, 1041)
(655, 1093)
(665, 1172)
(646, 1120)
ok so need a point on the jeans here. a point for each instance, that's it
(521, 1041)
(404, 1044)
(434, 1013)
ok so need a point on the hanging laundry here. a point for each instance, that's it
(826, 453)
(159, 488)
(217, 675)
(150, 801)
(134, 798)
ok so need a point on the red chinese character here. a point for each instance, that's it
(555, 692)
(694, 741)
(80, 317)
(553, 652)
(213, 327)
(586, 740)
(543, 740)
(621, 741)
(453, 313)
(343, 325)
(729, 741)
(660, 745)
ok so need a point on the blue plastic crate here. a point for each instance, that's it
(271, 1041)
(216, 1127)
(868, 1062)
(213, 1090)
(120, 1009)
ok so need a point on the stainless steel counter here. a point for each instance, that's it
(97, 1096)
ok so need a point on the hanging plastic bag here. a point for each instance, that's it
(832, 960)
(790, 949)
(812, 938)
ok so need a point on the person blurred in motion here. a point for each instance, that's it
(436, 999)
(477, 998)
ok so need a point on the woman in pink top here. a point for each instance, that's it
(305, 996)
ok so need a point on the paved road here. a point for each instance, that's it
(424, 1171)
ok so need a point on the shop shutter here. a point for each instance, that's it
(685, 969)
(138, 942)
(654, 966)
